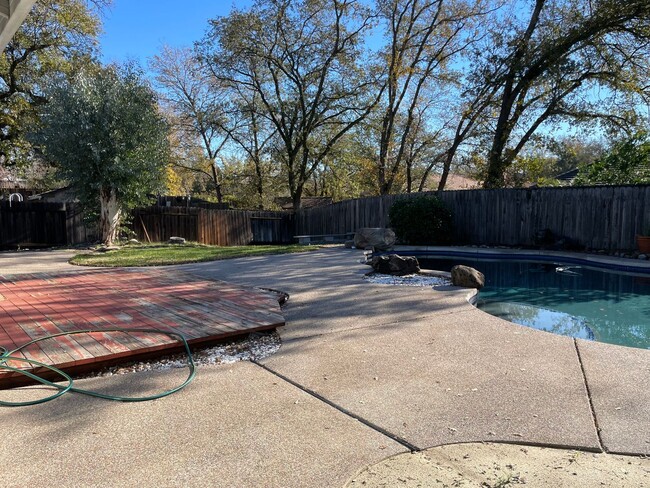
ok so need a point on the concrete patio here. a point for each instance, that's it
(365, 372)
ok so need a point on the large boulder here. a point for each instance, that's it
(467, 277)
(394, 264)
(377, 237)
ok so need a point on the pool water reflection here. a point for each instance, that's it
(567, 299)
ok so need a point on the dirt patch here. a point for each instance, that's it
(488, 465)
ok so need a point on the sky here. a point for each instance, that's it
(136, 29)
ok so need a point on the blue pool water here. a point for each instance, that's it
(568, 299)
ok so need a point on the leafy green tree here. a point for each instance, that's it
(570, 152)
(344, 173)
(57, 38)
(544, 159)
(627, 163)
(106, 133)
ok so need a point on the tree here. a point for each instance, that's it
(254, 135)
(469, 119)
(424, 37)
(574, 60)
(188, 160)
(57, 37)
(544, 159)
(208, 114)
(199, 109)
(300, 59)
(627, 163)
(106, 133)
(570, 152)
(346, 172)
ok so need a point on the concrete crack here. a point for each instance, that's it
(345, 411)
(591, 403)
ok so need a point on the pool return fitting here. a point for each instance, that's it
(6, 355)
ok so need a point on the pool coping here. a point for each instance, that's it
(597, 261)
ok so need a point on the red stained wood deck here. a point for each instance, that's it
(204, 311)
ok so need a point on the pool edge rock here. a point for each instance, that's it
(467, 277)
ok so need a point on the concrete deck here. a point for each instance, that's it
(365, 371)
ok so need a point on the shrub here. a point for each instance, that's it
(421, 220)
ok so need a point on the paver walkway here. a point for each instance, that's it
(365, 371)
(204, 311)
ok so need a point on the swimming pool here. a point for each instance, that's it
(562, 297)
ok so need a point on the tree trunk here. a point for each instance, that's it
(385, 189)
(217, 183)
(296, 197)
(496, 166)
(259, 183)
(409, 182)
(110, 215)
(446, 168)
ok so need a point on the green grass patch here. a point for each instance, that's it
(167, 254)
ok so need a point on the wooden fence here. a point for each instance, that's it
(604, 217)
(217, 227)
(39, 224)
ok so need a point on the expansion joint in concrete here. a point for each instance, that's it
(344, 411)
(591, 403)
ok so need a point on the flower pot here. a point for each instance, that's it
(643, 243)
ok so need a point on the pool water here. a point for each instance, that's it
(567, 299)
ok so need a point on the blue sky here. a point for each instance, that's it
(136, 29)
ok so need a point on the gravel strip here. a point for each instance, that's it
(256, 346)
(407, 280)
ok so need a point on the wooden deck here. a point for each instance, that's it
(204, 311)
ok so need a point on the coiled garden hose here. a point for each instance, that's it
(6, 355)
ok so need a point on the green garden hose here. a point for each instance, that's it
(6, 355)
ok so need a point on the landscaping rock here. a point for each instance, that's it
(396, 265)
(107, 248)
(467, 277)
(134, 241)
(378, 237)
(349, 244)
(643, 256)
(176, 240)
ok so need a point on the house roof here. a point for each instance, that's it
(12, 14)
(9, 183)
(568, 175)
(454, 182)
(65, 194)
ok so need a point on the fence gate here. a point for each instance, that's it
(216, 227)
(32, 224)
(272, 227)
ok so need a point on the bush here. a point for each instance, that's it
(422, 220)
(628, 163)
